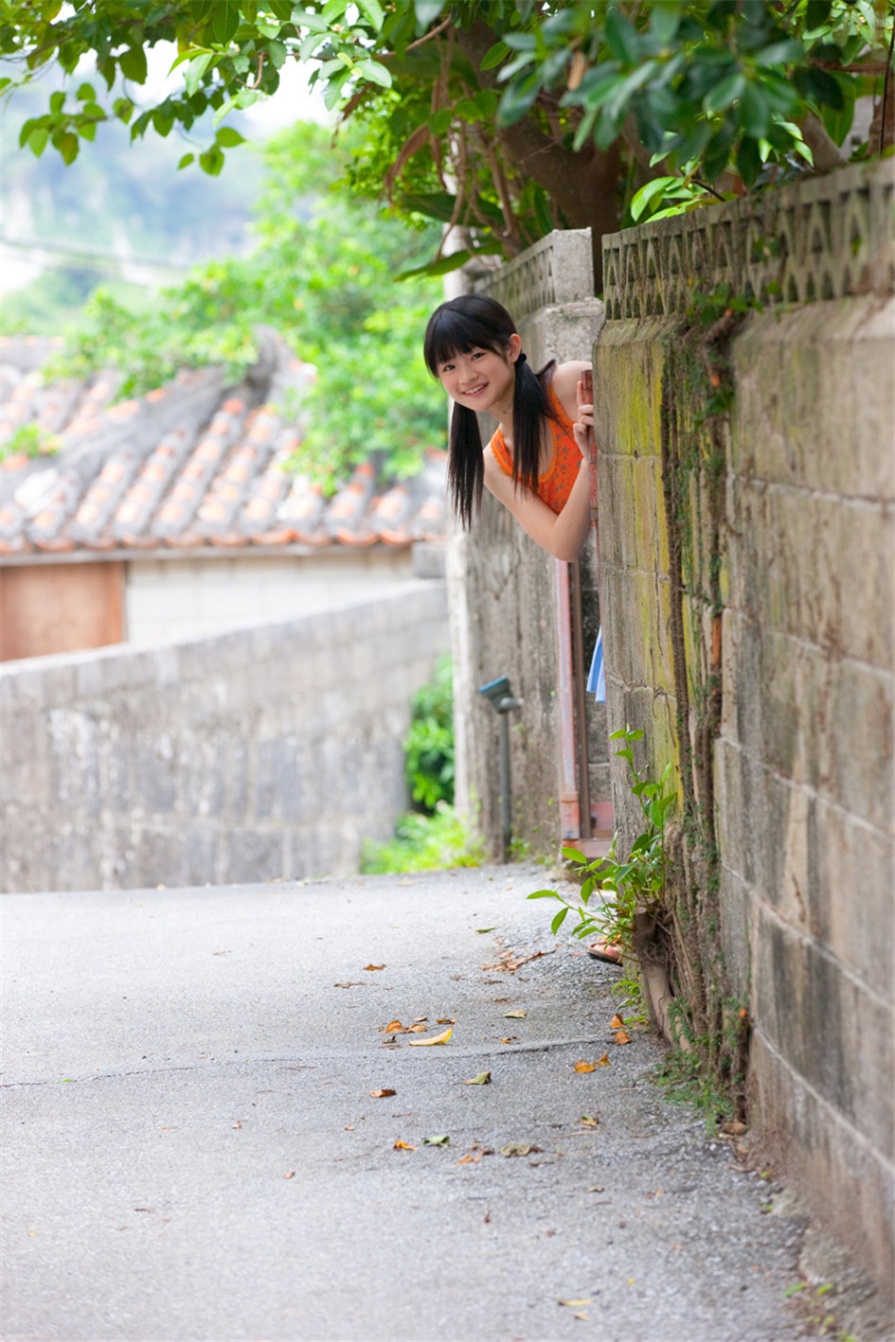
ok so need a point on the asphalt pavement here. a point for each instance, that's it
(194, 1146)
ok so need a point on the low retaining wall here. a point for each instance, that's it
(269, 752)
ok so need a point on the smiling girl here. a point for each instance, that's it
(536, 462)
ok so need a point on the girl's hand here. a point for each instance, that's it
(583, 428)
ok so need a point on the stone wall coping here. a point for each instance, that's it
(556, 270)
(825, 237)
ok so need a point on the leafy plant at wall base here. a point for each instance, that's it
(424, 843)
(429, 744)
(626, 887)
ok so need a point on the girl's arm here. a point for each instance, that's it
(561, 535)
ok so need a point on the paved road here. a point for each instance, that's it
(192, 1150)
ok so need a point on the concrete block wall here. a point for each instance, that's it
(504, 588)
(269, 752)
(802, 757)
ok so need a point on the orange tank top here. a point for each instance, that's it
(555, 485)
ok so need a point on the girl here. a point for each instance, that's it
(536, 464)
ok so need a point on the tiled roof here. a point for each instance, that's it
(194, 464)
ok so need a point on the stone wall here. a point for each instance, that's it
(748, 569)
(265, 753)
(505, 591)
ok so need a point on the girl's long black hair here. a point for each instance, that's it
(470, 322)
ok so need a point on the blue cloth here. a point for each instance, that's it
(596, 680)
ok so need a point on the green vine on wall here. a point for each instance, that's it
(697, 400)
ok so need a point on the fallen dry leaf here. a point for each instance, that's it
(483, 1079)
(290, 1174)
(474, 1154)
(519, 1149)
(575, 1304)
(403, 1146)
(510, 1039)
(583, 1066)
(579, 1315)
(596, 1188)
(514, 1015)
(486, 929)
(604, 1061)
(446, 1020)
(616, 1023)
(659, 1193)
(622, 1037)
(436, 1039)
(349, 1127)
(374, 966)
(393, 1027)
(416, 1029)
(382, 1094)
(589, 1120)
(349, 985)
(734, 1128)
(443, 1140)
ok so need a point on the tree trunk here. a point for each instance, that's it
(583, 185)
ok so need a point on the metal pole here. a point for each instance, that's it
(504, 780)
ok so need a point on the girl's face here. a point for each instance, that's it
(482, 379)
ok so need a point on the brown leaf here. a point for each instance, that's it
(418, 1019)
(616, 1023)
(436, 1039)
(596, 1188)
(393, 1027)
(604, 1061)
(519, 1149)
(575, 1304)
(403, 1146)
(382, 1094)
(510, 1039)
(374, 966)
(622, 1037)
(349, 985)
(446, 1020)
(583, 1066)
(416, 1029)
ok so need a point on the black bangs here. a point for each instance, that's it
(463, 324)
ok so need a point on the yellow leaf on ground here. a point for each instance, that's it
(616, 1023)
(436, 1039)
(483, 1079)
(510, 1039)
(604, 1061)
(381, 1094)
(589, 1120)
(403, 1146)
(583, 1066)
(621, 1037)
(374, 966)
(514, 1015)
(393, 1027)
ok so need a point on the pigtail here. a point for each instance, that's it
(531, 404)
(466, 465)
